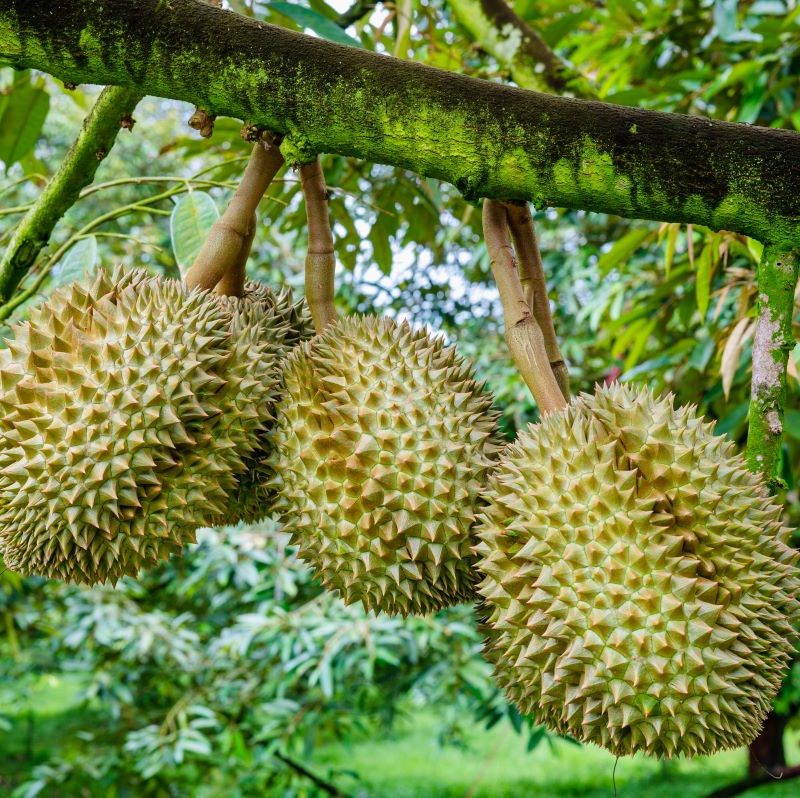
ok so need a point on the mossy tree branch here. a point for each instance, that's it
(496, 28)
(774, 340)
(112, 111)
(487, 139)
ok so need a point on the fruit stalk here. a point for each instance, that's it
(522, 332)
(221, 261)
(320, 260)
(534, 285)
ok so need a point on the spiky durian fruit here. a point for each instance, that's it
(382, 445)
(127, 407)
(270, 324)
(291, 314)
(639, 592)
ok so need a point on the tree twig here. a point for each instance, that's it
(325, 786)
(496, 28)
(738, 787)
(357, 11)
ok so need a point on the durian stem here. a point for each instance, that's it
(774, 340)
(534, 285)
(225, 251)
(522, 332)
(320, 260)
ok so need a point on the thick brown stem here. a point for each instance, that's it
(535, 286)
(320, 260)
(227, 245)
(232, 282)
(523, 334)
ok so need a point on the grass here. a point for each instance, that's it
(495, 764)
(45, 717)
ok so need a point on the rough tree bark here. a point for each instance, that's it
(487, 139)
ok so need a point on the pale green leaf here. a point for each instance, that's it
(192, 218)
(80, 261)
(21, 121)
(313, 20)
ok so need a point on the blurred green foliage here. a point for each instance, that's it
(213, 674)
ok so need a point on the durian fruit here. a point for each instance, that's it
(291, 315)
(126, 409)
(637, 586)
(270, 323)
(382, 445)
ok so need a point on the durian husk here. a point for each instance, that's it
(382, 446)
(638, 589)
(273, 320)
(128, 410)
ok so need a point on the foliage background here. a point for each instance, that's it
(227, 672)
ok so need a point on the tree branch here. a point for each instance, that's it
(485, 138)
(112, 110)
(496, 28)
(774, 340)
(357, 11)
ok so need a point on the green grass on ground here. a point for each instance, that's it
(495, 764)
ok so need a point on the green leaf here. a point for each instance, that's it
(192, 218)
(21, 121)
(623, 249)
(80, 261)
(380, 237)
(313, 20)
(703, 282)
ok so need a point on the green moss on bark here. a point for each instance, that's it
(774, 340)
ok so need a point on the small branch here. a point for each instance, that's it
(357, 11)
(94, 141)
(496, 28)
(227, 245)
(738, 787)
(535, 286)
(522, 332)
(774, 340)
(320, 260)
(325, 786)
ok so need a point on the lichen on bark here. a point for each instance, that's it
(488, 139)
(773, 342)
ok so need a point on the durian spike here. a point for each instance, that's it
(320, 260)
(534, 284)
(227, 244)
(523, 334)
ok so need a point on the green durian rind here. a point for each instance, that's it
(638, 589)
(382, 446)
(128, 412)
